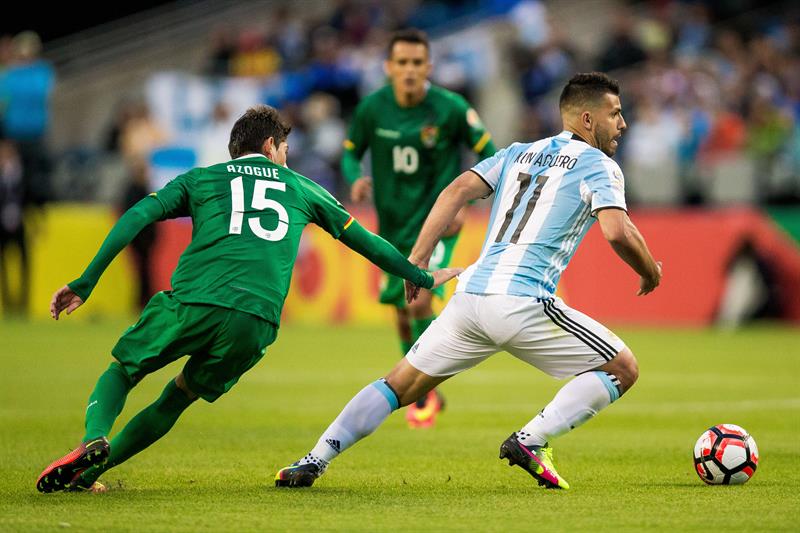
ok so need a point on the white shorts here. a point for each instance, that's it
(547, 334)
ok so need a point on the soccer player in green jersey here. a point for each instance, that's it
(414, 131)
(227, 291)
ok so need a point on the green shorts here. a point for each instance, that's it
(222, 343)
(393, 290)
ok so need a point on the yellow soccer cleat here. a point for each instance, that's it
(536, 460)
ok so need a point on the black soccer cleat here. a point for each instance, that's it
(61, 472)
(536, 460)
(297, 475)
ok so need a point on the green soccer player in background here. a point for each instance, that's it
(414, 132)
(227, 291)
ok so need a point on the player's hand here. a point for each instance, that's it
(439, 277)
(444, 275)
(64, 299)
(648, 284)
(412, 291)
(361, 189)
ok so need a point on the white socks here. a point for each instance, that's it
(576, 402)
(360, 417)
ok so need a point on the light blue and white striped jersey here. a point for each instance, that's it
(546, 194)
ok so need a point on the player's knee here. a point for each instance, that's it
(180, 382)
(408, 383)
(624, 367)
(628, 369)
(122, 371)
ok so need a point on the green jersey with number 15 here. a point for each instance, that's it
(248, 215)
(415, 154)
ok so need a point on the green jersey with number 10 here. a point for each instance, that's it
(415, 153)
(248, 216)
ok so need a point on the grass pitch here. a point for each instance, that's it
(630, 468)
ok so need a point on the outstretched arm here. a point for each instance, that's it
(628, 243)
(389, 259)
(468, 186)
(134, 220)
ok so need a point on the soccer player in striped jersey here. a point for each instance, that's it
(414, 131)
(228, 289)
(547, 195)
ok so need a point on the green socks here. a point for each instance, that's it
(405, 346)
(419, 325)
(106, 401)
(152, 423)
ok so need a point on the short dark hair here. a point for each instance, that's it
(258, 124)
(587, 88)
(408, 35)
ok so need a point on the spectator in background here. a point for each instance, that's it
(223, 48)
(12, 231)
(623, 49)
(6, 51)
(651, 155)
(142, 245)
(254, 57)
(727, 136)
(25, 88)
(139, 133)
(215, 136)
(325, 133)
(694, 31)
(768, 130)
(329, 70)
(290, 38)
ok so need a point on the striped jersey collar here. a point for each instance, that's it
(572, 135)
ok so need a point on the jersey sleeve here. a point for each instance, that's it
(355, 144)
(174, 197)
(130, 224)
(605, 187)
(326, 211)
(476, 136)
(491, 168)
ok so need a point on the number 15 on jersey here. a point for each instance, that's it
(260, 202)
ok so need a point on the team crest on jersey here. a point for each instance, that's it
(429, 135)
(618, 181)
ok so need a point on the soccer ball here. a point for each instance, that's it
(725, 455)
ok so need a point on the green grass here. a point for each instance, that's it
(630, 469)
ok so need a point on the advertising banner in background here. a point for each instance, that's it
(698, 248)
(714, 261)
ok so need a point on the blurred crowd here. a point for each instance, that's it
(711, 93)
(712, 97)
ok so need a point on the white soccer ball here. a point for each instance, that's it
(725, 455)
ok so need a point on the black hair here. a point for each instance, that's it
(258, 124)
(408, 35)
(587, 88)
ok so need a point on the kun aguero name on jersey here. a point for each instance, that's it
(549, 160)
